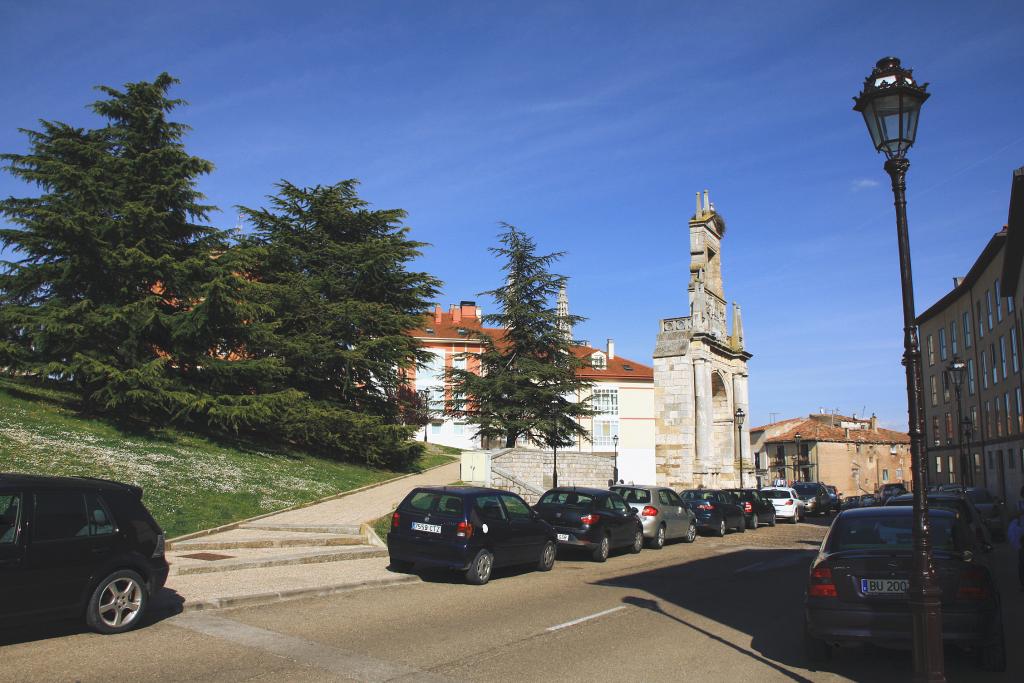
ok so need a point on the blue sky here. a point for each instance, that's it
(591, 125)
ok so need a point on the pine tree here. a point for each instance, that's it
(337, 278)
(121, 289)
(527, 383)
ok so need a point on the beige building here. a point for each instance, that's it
(853, 454)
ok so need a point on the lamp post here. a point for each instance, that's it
(968, 430)
(890, 103)
(615, 466)
(739, 436)
(796, 458)
(956, 376)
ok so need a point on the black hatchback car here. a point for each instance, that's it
(716, 511)
(77, 548)
(468, 529)
(858, 585)
(757, 509)
(594, 519)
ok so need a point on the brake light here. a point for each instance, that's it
(973, 585)
(705, 506)
(789, 502)
(464, 530)
(394, 520)
(747, 507)
(821, 585)
(590, 518)
(649, 511)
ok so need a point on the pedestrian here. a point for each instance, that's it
(1015, 535)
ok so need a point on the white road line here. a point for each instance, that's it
(587, 618)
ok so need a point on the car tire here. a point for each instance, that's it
(742, 526)
(658, 542)
(771, 520)
(118, 603)
(721, 528)
(547, 557)
(401, 566)
(691, 533)
(793, 519)
(638, 541)
(480, 568)
(751, 523)
(600, 553)
(992, 656)
(815, 649)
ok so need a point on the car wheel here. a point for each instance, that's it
(742, 526)
(721, 528)
(401, 566)
(815, 649)
(118, 603)
(638, 540)
(658, 542)
(771, 520)
(752, 522)
(547, 557)
(691, 533)
(993, 653)
(600, 553)
(480, 568)
(793, 519)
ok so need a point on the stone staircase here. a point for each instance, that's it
(260, 544)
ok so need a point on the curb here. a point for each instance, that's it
(284, 596)
(298, 506)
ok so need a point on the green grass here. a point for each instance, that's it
(190, 482)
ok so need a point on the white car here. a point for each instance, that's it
(787, 503)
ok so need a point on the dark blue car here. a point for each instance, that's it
(470, 530)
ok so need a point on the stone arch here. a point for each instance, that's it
(720, 403)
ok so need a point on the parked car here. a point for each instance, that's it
(716, 511)
(468, 529)
(786, 502)
(834, 497)
(991, 509)
(80, 548)
(662, 513)
(815, 497)
(959, 504)
(850, 502)
(889, 490)
(757, 509)
(858, 583)
(593, 519)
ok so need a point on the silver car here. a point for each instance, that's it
(662, 512)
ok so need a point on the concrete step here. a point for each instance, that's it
(261, 538)
(352, 529)
(251, 558)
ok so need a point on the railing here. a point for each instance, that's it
(676, 324)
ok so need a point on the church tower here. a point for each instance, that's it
(700, 374)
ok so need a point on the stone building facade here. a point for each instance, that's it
(700, 374)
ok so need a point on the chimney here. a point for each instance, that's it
(456, 314)
(874, 423)
(697, 215)
(957, 281)
(611, 349)
(437, 314)
(468, 310)
(707, 206)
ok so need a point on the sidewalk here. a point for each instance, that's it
(315, 550)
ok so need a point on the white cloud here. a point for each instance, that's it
(863, 184)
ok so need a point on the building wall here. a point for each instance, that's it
(534, 467)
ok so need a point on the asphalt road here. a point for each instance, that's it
(717, 610)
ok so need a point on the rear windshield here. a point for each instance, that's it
(979, 496)
(777, 494)
(633, 495)
(434, 502)
(805, 488)
(569, 499)
(888, 533)
(700, 495)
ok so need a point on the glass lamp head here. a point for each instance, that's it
(891, 104)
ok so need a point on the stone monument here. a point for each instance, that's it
(700, 375)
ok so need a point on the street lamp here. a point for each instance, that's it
(956, 376)
(796, 458)
(615, 467)
(890, 103)
(739, 436)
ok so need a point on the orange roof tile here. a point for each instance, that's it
(813, 430)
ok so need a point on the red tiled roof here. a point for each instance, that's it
(618, 367)
(813, 430)
(774, 424)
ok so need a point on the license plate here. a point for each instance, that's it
(429, 528)
(884, 586)
(563, 537)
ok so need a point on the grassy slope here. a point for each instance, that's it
(190, 482)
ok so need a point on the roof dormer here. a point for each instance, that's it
(598, 360)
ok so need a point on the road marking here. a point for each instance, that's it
(587, 618)
(306, 652)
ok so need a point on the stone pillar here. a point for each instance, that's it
(741, 400)
(704, 417)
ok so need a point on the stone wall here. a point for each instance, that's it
(533, 468)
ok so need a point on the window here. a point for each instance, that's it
(999, 303)
(952, 470)
(970, 376)
(885, 475)
(605, 403)
(663, 497)
(974, 419)
(938, 464)
(988, 418)
(935, 390)
(1002, 354)
(991, 463)
(517, 509)
(1011, 462)
(952, 338)
(1006, 412)
(10, 517)
(949, 427)
(995, 368)
(967, 328)
(899, 473)
(999, 422)
(981, 323)
(931, 350)
(435, 427)
(1013, 349)
(489, 508)
(459, 362)
(935, 430)
(984, 370)
(597, 360)
(945, 386)
(459, 428)
(1009, 304)
(988, 307)
(59, 515)
(605, 431)
(1020, 411)
(942, 343)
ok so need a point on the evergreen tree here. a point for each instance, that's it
(527, 383)
(121, 288)
(337, 278)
